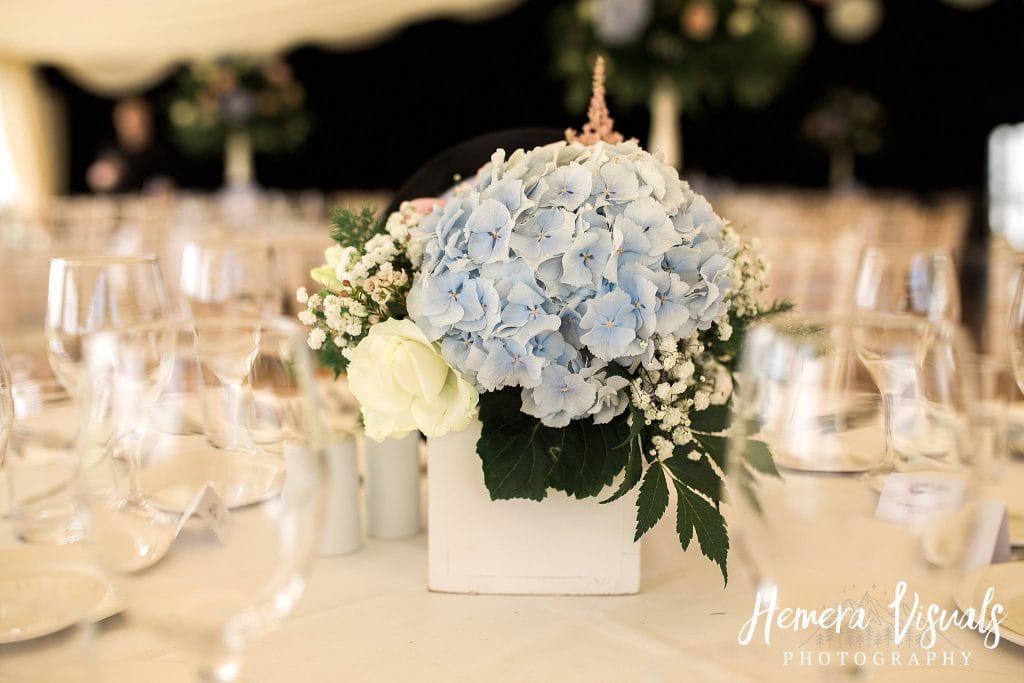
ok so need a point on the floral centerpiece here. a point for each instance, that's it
(845, 124)
(579, 299)
(239, 105)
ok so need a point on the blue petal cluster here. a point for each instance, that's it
(558, 262)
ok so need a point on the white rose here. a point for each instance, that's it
(403, 383)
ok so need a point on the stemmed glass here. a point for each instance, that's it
(816, 535)
(903, 280)
(6, 405)
(235, 277)
(209, 544)
(226, 349)
(92, 294)
(119, 295)
(1016, 330)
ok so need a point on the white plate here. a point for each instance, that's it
(45, 589)
(933, 675)
(240, 478)
(1007, 579)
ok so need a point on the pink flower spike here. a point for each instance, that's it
(601, 126)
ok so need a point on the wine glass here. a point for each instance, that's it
(1016, 330)
(230, 276)
(6, 405)
(815, 535)
(226, 349)
(908, 280)
(208, 544)
(91, 294)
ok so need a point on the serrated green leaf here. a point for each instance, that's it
(695, 474)
(714, 446)
(589, 457)
(522, 458)
(744, 480)
(634, 461)
(652, 501)
(712, 419)
(759, 456)
(633, 470)
(516, 461)
(693, 513)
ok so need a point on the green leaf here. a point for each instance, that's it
(590, 456)
(634, 461)
(652, 501)
(776, 307)
(634, 467)
(516, 461)
(695, 474)
(711, 419)
(759, 456)
(329, 356)
(350, 228)
(744, 480)
(523, 459)
(714, 446)
(693, 513)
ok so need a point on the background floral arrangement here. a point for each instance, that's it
(708, 49)
(846, 121)
(580, 300)
(259, 97)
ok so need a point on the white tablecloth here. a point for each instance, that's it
(368, 617)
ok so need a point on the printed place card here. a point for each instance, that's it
(209, 507)
(920, 499)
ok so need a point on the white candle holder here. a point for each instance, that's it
(393, 488)
(343, 532)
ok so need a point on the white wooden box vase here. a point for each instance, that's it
(558, 546)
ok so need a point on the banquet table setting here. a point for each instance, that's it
(353, 341)
(369, 615)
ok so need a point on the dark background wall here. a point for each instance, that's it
(946, 76)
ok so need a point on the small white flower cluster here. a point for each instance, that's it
(340, 317)
(361, 284)
(684, 377)
(665, 393)
(750, 275)
(400, 225)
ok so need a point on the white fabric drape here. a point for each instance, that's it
(116, 46)
(31, 136)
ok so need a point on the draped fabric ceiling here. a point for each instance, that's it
(116, 47)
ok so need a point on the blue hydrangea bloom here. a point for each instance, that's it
(509, 364)
(609, 325)
(561, 396)
(555, 262)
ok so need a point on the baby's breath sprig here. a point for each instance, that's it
(366, 280)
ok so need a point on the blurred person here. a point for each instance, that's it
(137, 161)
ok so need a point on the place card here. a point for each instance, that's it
(209, 507)
(919, 499)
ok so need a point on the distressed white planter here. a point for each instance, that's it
(560, 546)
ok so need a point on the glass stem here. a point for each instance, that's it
(235, 424)
(889, 415)
(219, 665)
(135, 465)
